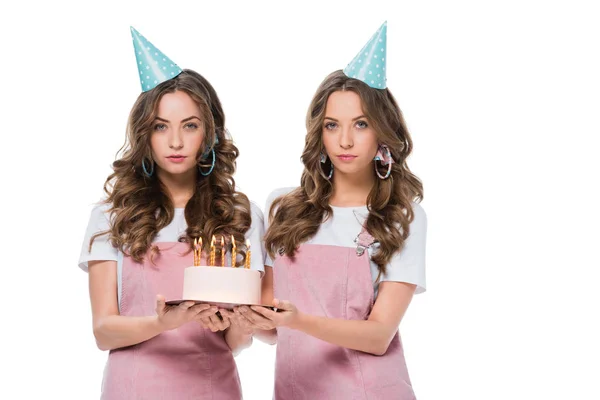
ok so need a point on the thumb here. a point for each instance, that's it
(282, 304)
(160, 304)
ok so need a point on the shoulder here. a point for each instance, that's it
(419, 216)
(100, 214)
(279, 192)
(256, 213)
(276, 194)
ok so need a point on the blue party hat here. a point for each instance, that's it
(153, 65)
(369, 64)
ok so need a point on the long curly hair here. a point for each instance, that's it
(297, 216)
(140, 206)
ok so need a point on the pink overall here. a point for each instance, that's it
(185, 363)
(333, 282)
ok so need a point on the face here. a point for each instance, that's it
(177, 134)
(350, 142)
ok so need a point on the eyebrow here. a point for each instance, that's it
(353, 119)
(182, 121)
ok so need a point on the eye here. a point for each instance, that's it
(330, 125)
(160, 127)
(191, 126)
(362, 124)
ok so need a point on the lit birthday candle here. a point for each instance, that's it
(222, 252)
(212, 252)
(197, 251)
(248, 255)
(233, 252)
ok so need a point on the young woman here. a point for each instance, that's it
(347, 247)
(172, 185)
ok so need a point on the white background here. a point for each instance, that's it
(502, 100)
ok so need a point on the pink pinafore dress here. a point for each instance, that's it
(185, 363)
(333, 282)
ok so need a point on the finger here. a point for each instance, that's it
(265, 312)
(283, 305)
(205, 322)
(239, 320)
(206, 313)
(257, 321)
(246, 313)
(200, 307)
(214, 322)
(226, 314)
(242, 318)
(223, 323)
(259, 317)
(186, 305)
(160, 302)
(254, 315)
(245, 324)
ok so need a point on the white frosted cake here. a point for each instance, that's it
(221, 285)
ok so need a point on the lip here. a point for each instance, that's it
(176, 158)
(346, 157)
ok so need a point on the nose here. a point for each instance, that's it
(346, 140)
(176, 140)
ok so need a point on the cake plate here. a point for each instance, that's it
(228, 306)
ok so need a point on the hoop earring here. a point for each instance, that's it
(146, 172)
(323, 160)
(212, 166)
(388, 160)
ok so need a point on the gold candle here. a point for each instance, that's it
(222, 251)
(248, 255)
(197, 251)
(212, 252)
(233, 252)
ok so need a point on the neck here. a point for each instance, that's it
(180, 187)
(351, 190)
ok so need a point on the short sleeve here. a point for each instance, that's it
(102, 249)
(255, 235)
(270, 199)
(408, 265)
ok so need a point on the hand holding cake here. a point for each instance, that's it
(259, 317)
(172, 317)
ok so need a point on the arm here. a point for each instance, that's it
(371, 336)
(112, 330)
(268, 336)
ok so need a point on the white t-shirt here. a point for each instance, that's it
(341, 229)
(103, 250)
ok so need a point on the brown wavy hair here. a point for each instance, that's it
(140, 205)
(297, 216)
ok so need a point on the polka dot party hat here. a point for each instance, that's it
(369, 64)
(153, 65)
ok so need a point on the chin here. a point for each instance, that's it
(350, 171)
(347, 170)
(178, 169)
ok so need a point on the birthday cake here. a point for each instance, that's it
(219, 283)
